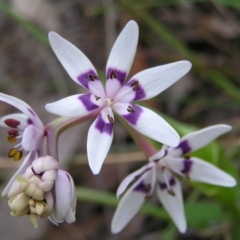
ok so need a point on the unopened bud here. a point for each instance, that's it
(19, 205)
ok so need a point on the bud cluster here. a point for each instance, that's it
(31, 192)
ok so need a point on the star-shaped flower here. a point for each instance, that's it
(27, 129)
(118, 95)
(159, 175)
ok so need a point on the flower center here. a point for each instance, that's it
(109, 102)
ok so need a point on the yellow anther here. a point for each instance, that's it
(17, 156)
(12, 152)
(11, 139)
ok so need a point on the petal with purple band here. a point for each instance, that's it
(130, 112)
(199, 170)
(199, 139)
(155, 80)
(112, 88)
(85, 78)
(173, 203)
(22, 106)
(99, 139)
(21, 118)
(78, 105)
(132, 177)
(129, 92)
(132, 201)
(73, 60)
(120, 75)
(123, 52)
(148, 123)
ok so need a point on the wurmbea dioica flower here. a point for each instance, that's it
(43, 191)
(159, 175)
(25, 127)
(118, 95)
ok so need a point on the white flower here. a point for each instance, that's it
(158, 175)
(26, 128)
(118, 95)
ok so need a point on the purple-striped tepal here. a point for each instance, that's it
(159, 175)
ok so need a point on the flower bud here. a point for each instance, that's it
(65, 199)
(19, 205)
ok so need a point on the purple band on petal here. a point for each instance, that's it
(187, 165)
(133, 117)
(139, 91)
(29, 121)
(86, 101)
(103, 127)
(84, 78)
(142, 187)
(31, 111)
(163, 185)
(146, 170)
(121, 76)
(184, 146)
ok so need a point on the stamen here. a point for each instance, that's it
(171, 192)
(97, 97)
(110, 119)
(134, 85)
(15, 153)
(149, 187)
(12, 123)
(92, 77)
(13, 132)
(12, 152)
(17, 156)
(11, 139)
(130, 109)
(113, 75)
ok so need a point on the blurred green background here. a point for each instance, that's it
(207, 33)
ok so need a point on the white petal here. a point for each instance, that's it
(199, 170)
(63, 193)
(148, 123)
(78, 105)
(74, 61)
(32, 138)
(132, 201)
(199, 139)
(21, 118)
(155, 80)
(26, 163)
(131, 177)
(112, 87)
(22, 106)
(172, 203)
(100, 136)
(123, 52)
